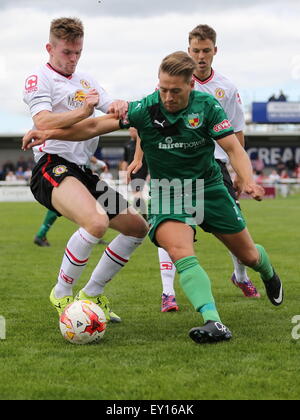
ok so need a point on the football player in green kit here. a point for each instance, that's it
(177, 126)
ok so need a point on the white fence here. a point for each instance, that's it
(283, 187)
(19, 191)
(15, 191)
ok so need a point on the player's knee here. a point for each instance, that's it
(178, 252)
(250, 259)
(138, 229)
(97, 226)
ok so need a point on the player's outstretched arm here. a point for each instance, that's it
(119, 108)
(83, 130)
(241, 138)
(241, 164)
(46, 120)
(137, 162)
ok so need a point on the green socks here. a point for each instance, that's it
(48, 222)
(197, 287)
(264, 266)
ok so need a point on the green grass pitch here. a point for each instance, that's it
(149, 355)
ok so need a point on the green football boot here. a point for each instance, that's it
(60, 304)
(103, 303)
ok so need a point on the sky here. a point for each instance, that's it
(125, 41)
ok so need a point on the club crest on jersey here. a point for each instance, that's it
(194, 121)
(220, 93)
(85, 84)
(59, 170)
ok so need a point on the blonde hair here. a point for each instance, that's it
(178, 63)
(68, 29)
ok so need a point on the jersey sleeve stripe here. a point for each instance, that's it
(39, 103)
(222, 136)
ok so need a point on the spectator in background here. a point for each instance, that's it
(272, 98)
(20, 174)
(284, 174)
(106, 174)
(259, 177)
(30, 163)
(274, 177)
(10, 176)
(257, 164)
(97, 165)
(8, 167)
(282, 97)
(280, 166)
(27, 175)
(22, 164)
(291, 167)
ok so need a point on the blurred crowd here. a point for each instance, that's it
(280, 98)
(282, 170)
(17, 171)
(22, 170)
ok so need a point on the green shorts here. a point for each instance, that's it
(217, 213)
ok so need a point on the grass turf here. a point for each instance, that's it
(149, 355)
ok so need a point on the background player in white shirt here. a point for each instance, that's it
(62, 181)
(202, 47)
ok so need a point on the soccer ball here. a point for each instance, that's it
(82, 322)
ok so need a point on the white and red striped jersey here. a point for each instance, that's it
(48, 90)
(228, 96)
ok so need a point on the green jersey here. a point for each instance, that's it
(180, 145)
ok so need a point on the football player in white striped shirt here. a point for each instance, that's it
(202, 47)
(62, 181)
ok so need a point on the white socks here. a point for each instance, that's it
(76, 257)
(114, 258)
(167, 271)
(74, 261)
(240, 270)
